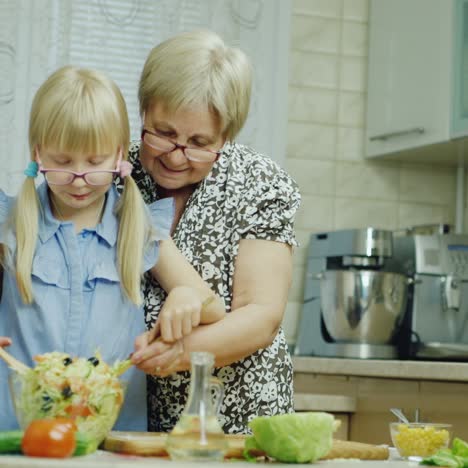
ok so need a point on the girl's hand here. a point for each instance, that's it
(156, 357)
(179, 314)
(5, 341)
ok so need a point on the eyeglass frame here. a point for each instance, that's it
(178, 146)
(79, 175)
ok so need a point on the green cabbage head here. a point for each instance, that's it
(292, 438)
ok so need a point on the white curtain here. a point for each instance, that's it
(115, 36)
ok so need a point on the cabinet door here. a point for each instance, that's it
(409, 78)
(460, 73)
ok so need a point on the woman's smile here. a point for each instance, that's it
(171, 170)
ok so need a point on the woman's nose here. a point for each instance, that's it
(177, 156)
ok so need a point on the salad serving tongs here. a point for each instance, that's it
(16, 365)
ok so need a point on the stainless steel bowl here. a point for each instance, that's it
(362, 306)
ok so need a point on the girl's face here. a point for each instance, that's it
(78, 194)
(193, 127)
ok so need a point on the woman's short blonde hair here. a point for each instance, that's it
(198, 68)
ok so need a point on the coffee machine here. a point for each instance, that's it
(438, 315)
(356, 297)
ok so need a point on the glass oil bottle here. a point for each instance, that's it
(198, 435)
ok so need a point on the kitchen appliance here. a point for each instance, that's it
(355, 299)
(438, 317)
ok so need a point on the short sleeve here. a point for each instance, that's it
(272, 199)
(161, 215)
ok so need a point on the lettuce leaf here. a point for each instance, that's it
(293, 438)
(456, 457)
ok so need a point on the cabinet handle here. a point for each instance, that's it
(386, 136)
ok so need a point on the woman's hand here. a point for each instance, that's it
(179, 314)
(154, 356)
(5, 341)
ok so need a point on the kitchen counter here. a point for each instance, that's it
(110, 460)
(420, 370)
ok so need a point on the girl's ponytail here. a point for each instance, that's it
(133, 234)
(26, 222)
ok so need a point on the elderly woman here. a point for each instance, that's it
(233, 221)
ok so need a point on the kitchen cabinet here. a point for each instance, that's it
(417, 79)
(437, 401)
(341, 406)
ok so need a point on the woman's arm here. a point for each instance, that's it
(261, 283)
(175, 274)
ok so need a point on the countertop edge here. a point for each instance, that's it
(411, 370)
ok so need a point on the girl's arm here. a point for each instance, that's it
(190, 300)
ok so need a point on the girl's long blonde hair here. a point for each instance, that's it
(81, 110)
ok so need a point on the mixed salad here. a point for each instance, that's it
(84, 389)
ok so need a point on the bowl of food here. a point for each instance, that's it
(86, 390)
(420, 439)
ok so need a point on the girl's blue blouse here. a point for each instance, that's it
(79, 306)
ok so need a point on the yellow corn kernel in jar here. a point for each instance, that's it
(420, 441)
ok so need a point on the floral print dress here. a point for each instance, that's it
(245, 196)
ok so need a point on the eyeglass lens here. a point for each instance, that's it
(91, 178)
(194, 154)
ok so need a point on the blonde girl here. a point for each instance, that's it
(74, 250)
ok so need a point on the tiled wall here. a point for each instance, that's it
(327, 102)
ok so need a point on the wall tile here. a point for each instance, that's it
(311, 141)
(312, 105)
(351, 110)
(355, 213)
(413, 214)
(296, 293)
(353, 75)
(329, 8)
(313, 177)
(418, 182)
(313, 69)
(300, 253)
(368, 180)
(315, 213)
(350, 144)
(313, 34)
(357, 10)
(354, 39)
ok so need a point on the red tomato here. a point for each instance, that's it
(53, 438)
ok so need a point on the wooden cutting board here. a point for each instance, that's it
(153, 444)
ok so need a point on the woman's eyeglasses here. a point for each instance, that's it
(164, 145)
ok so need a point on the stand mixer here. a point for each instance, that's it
(354, 303)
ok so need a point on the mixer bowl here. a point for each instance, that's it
(363, 306)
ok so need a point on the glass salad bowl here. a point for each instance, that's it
(85, 390)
